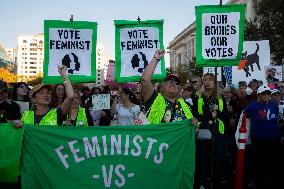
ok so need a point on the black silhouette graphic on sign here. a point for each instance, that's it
(135, 61)
(71, 62)
(248, 61)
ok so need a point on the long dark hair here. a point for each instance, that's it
(132, 97)
(14, 94)
(54, 98)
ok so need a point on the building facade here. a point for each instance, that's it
(102, 65)
(30, 56)
(12, 54)
(6, 61)
(182, 48)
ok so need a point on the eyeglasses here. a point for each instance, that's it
(265, 93)
(193, 82)
(174, 81)
(281, 87)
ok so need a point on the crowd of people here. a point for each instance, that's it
(213, 110)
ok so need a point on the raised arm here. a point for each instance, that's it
(146, 84)
(68, 88)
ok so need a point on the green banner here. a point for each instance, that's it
(154, 156)
(135, 45)
(10, 151)
(72, 44)
(219, 34)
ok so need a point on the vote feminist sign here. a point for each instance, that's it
(219, 34)
(136, 44)
(72, 44)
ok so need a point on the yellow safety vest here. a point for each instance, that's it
(158, 108)
(81, 118)
(49, 119)
(220, 107)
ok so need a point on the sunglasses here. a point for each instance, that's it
(265, 93)
(281, 87)
(174, 81)
(193, 82)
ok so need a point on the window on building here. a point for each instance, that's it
(24, 41)
(99, 75)
(40, 42)
(192, 45)
(179, 60)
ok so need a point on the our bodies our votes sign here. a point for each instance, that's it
(219, 34)
(101, 101)
(72, 44)
(135, 46)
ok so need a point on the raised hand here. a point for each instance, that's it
(159, 53)
(62, 70)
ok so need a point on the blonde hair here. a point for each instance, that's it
(216, 91)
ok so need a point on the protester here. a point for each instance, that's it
(271, 75)
(58, 96)
(102, 117)
(210, 142)
(280, 86)
(165, 107)
(196, 83)
(189, 93)
(265, 139)
(20, 92)
(41, 96)
(275, 97)
(20, 95)
(9, 110)
(125, 107)
(85, 97)
(78, 116)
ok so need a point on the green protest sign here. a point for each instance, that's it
(72, 44)
(219, 34)
(135, 46)
(10, 152)
(154, 156)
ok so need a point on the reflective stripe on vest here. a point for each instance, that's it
(201, 103)
(158, 108)
(220, 107)
(49, 119)
(81, 118)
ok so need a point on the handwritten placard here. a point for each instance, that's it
(101, 101)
